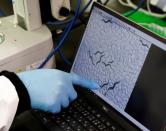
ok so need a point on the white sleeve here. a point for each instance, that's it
(8, 103)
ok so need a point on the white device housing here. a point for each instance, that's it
(160, 4)
(27, 14)
(23, 50)
(56, 6)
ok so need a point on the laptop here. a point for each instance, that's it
(129, 63)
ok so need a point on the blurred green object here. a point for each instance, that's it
(156, 25)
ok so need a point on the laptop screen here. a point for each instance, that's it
(130, 69)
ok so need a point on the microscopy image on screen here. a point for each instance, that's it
(113, 55)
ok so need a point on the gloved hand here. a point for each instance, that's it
(51, 89)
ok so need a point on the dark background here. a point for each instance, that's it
(147, 103)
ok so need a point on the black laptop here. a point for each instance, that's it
(129, 63)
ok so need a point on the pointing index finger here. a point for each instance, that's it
(80, 81)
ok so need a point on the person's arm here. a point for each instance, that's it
(11, 89)
(21, 90)
(8, 103)
(45, 89)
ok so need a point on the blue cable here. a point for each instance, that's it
(80, 14)
(59, 22)
(69, 20)
(64, 22)
(135, 10)
(60, 43)
(63, 58)
(64, 35)
(2, 13)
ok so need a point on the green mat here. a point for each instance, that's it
(156, 25)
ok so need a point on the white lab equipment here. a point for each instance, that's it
(24, 41)
(27, 14)
(160, 4)
(56, 7)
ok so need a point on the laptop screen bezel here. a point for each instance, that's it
(133, 24)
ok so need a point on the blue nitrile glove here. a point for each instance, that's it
(51, 89)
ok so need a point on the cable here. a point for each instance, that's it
(148, 6)
(63, 58)
(58, 23)
(150, 11)
(124, 3)
(103, 3)
(140, 4)
(60, 43)
(130, 4)
(65, 22)
(85, 8)
(106, 2)
(2, 13)
(64, 35)
(80, 14)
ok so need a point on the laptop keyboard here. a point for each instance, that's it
(80, 116)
